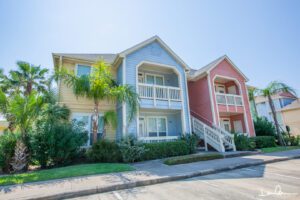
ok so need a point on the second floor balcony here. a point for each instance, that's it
(229, 99)
(159, 92)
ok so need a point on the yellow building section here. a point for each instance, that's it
(291, 117)
(80, 104)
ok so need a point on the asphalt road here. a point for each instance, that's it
(273, 181)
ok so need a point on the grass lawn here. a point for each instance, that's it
(64, 172)
(279, 148)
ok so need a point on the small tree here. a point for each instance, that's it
(274, 88)
(98, 86)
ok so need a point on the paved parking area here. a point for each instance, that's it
(273, 181)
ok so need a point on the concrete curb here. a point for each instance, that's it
(131, 185)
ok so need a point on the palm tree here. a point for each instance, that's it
(28, 77)
(251, 93)
(274, 88)
(98, 86)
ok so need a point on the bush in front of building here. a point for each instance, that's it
(243, 143)
(192, 141)
(165, 149)
(264, 141)
(104, 151)
(132, 150)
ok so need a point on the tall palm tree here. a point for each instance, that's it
(98, 86)
(274, 88)
(251, 93)
(28, 77)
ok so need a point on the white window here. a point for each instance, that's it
(83, 70)
(86, 119)
(220, 88)
(154, 79)
(225, 124)
(157, 126)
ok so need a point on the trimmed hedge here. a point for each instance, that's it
(165, 149)
(192, 158)
(264, 141)
(105, 151)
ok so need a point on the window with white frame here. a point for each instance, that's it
(157, 126)
(154, 79)
(220, 88)
(83, 70)
(86, 119)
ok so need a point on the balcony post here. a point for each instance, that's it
(154, 95)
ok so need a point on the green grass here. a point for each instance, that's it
(64, 172)
(192, 158)
(279, 148)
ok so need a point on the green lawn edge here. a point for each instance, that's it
(64, 172)
(278, 149)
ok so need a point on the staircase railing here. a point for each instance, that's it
(228, 138)
(208, 134)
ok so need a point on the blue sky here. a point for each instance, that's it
(261, 37)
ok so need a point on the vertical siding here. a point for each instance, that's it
(154, 53)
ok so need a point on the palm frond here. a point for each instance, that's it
(110, 117)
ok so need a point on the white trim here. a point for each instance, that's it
(183, 125)
(241, 94)
(211, 98)
(156, 117)
(228, 119)
(164, 45)
(249, 105)
(188, 102)
(89, 115)
(219, 60)
(124, 113)
(154, 75)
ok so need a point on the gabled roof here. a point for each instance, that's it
(108, 57)
(150, 40)
(194, 74)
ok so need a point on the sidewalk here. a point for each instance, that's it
(147, 173)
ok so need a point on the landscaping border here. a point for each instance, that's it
(131, 185)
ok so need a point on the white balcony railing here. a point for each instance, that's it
(159, 92)
(229, 99)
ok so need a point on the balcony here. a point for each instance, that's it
(159, 92)
(229, 99)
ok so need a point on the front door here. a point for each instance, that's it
(225, 124)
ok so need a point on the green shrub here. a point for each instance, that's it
(243, 143)
(263, 127)
(264, 141)
(292, 140)
(58, 143)
(166, 149)
(7, 149)
(131, 149)
(192, 158)
(104, 151)
(192, 141)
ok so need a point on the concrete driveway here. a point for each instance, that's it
(273, 181)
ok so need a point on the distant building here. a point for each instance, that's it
(280, 101)
(291, 117)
